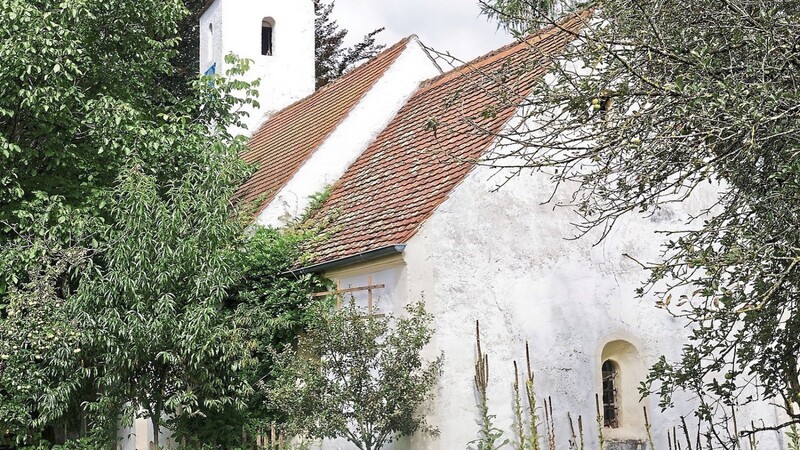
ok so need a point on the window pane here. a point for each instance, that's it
(266, 40)
(610, 395)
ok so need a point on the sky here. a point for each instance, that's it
(454, 26)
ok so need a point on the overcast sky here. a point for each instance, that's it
(446, 25)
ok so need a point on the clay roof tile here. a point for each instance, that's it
(426, 151)
(285, 141)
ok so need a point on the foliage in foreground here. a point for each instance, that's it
(358, 377)
(271, 310)
(177, 320)
(666, 98)
(156, 310)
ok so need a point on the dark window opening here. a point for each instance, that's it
(610, 394)
(267, 27)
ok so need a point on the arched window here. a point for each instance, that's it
(210, 40)
(621, 369)
(267, 36)
(611, 400)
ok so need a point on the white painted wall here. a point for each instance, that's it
(288, 74)
(503, 258)
(140, 435)
(352, 136)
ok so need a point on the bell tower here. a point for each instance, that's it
(277, 35)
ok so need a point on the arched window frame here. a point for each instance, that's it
(611, 393)
(267, 36)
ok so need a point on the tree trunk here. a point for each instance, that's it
(155, 418)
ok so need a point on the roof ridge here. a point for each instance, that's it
(372, 61)
(408, 171)
(488, 58)
(284, 142)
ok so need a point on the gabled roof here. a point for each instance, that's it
(283, 143)
(427, 149)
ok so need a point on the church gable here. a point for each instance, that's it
(430, 146)
(289, 138)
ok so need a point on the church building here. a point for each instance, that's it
(412, 217)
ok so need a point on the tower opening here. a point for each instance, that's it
(210, 42)
(267, 36)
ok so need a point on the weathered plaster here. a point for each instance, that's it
(504, 258)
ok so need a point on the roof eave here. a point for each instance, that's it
(362, 257)
(205, 7)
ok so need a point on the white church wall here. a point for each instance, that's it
(503, 258)
(140, 436)
(288, 74)
(352, 136)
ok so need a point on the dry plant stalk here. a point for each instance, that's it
(533, 418)
(573, 439)
(752, 437)
(519, 424)
(548, 424)
(601, 439)
(686, 433)
(649, 429)
(482, 380)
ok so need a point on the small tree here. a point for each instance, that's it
(333, 59)
(358, 377)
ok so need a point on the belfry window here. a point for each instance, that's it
(611, 400)
(267, 36)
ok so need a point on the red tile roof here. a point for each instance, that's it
(414, 164)
(288, 138)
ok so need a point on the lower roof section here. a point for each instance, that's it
(363, 257)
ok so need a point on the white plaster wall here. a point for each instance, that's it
(341, 148)
(140, 435)
(288, 74)
(503, 258)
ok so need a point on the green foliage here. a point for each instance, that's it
(793, 438)
(78, 444)
(518, 16)
(489, 437)
(333, 59)
(82, 99)
(78, 92)
(271, 309)
(163, 247)
(153, 308)
(358, 377)
(128, 283)
(666, 98)
(41, 353)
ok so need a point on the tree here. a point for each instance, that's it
(134, 331)
(272, 310)
(358, 377)
(81, 95)
(123, 255)
(152, 311)
(654, 100)
(333, 59)
(39, 346)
